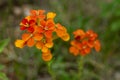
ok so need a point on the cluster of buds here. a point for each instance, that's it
(38, 30)
(83, 42)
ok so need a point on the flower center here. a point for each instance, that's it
(46, 28)
(27, 25)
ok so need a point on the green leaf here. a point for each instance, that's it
(115, 26)
(3, 76)
(1, 66)
(3, 43)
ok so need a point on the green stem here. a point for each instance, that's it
(50, 70)
(80, 67)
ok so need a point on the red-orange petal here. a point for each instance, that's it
(33, 12)
(79, 32)
(50, 24)
(41, 12)
(48, 34)
(38, 29)
(30, 42)
(87, 50)
(74, 50)
(26, 36)
(43, 23)
(97, 45)
(37, 36)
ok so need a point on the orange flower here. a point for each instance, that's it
(39, 31)
(27, 24)
(85, 49)
(79, 34)
(44, 45)
(48, 27)
(83, 42)
(37, 14)
(47, 56)
(62, 32)
(41, 45)
(26, 39)
(91, 35)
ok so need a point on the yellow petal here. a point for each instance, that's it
(47, 56)
(39, 45)
(49, 44)
(28, 18)
(19, 43)
(44, 49)
(50, 15)
(66, 37)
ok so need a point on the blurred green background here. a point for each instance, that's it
(102, 16)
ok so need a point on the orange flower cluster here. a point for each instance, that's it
(83, 42)
(39, 28)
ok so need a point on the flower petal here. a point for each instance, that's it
(74, 50)
(38, 29)
(43, 23)
(31, 22)
(22, 27)
(25, 36)
(80, 33)
(19, 43)
(30, 42)
(49, 44)
(30, 29)
(38, 36)
(24, 21)
(41, 12)
(46, 56)
(51, 15)
(50, 24)
(39, 45)
(48, 34)
(97, 45)
(44, 49)
(66, 37)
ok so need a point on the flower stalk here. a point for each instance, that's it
(80, 67)
(50, 71)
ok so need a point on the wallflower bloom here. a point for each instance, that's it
(27, 24)
(38, 31)
(48, 27)
(62, 32)
(47, 56)
(83, 42)
(37, 14)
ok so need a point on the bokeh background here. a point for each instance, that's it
(102, 16)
